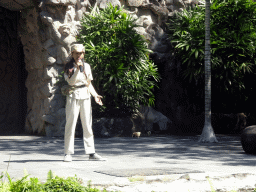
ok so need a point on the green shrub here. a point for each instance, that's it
(119, 58)
(58, 184)
(233, 37)
(24, 184)
(53, 184)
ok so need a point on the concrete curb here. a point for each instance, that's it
(184, 182)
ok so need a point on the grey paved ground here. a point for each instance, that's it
(168, 155)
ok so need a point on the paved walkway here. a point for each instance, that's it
(169, 156)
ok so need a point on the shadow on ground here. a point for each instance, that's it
(228, 151)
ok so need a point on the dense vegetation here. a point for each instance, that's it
(233, 38)
(119, 58)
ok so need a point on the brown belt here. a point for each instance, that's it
(80, 86)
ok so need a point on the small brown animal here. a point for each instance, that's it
(136, 134)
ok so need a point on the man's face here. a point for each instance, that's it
(77, 55)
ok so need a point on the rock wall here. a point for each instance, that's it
(16, 5)
(46, 32)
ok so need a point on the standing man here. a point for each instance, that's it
(78, 73)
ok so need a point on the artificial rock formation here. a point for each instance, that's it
(16, 5)
(248, 139)
(48, 28)
(48, 32)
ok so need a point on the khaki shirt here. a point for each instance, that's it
(79, 78)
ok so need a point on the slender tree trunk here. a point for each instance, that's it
(208, 133)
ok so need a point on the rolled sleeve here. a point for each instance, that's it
(92, 90)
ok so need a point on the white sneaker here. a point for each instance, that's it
(67, 158)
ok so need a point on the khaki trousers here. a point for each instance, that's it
(73, 107)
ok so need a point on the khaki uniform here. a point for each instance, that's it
(79, 102)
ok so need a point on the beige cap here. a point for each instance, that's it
(77, 48)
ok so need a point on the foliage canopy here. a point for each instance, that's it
(233, 38)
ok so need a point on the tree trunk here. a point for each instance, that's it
(208, 133)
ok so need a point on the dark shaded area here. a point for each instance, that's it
(22, 89)
(183, 101)
(13, 94)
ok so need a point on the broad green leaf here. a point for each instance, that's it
(196, 54)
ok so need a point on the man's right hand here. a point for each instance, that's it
(70, 70)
